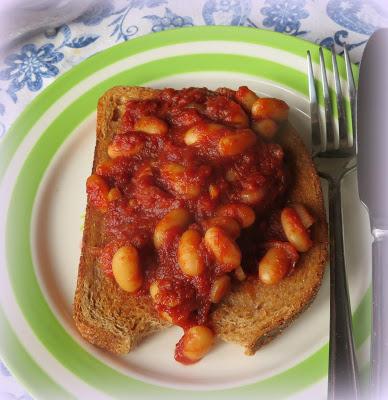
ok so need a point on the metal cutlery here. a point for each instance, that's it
(372, 122)
(334, 154)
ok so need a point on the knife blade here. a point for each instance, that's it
(372, 166)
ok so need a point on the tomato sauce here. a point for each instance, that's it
(167, 173)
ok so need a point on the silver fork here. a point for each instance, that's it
(334, 156)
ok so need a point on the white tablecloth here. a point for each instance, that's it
(32, 63)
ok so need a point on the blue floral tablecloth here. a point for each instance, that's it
(32, 64)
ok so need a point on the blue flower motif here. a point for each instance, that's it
(29, 67)
(73, 43)
(146, 3)
(285, 15)
(348, 13)
(339, 38)
(96, 13)
(168, 21)
(226, 12)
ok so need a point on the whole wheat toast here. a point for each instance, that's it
(251, 315)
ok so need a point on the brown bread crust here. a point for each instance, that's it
(251, 315)
(105, 315)
(254, 313)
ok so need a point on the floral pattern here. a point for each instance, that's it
(285, 15)
(226, 12)
(32, 64)
(68, 41)
(123, 29)
(29, 67)
(168, 21)
(348, 13)
(339, 39)
(351, 14)
(95, 14)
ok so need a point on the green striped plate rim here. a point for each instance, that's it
(19, 260)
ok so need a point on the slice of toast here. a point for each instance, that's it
(254, 313)
(251, 315)
(105, 315)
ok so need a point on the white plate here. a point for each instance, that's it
(45, 223)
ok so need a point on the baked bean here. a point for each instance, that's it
(189, 257)
(114, 194)
(266, 128)
(172, 170)
(291, 251)
(126, 268)
(196, 133)
(225, 109)
(227, 224)
(162, 298)
(151, 125)
(196, 342)
(193, 136)
(237, 143)
(246, 97)
(269, 108)
(252, 196)
(240, 212)
(154, 290)
(174, 173)
(274, 266)
(189, 190)
(294, 230)
(178, 218)
(231, 175)
(97, 190)
(214, 191)
(240, 274)
(220, 287)
(304, 215)
(166, 316)
(224, 249)
(239, 118)
(125, 146)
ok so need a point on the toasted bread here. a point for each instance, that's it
(104, 314)
(251, 315)
(254, 313)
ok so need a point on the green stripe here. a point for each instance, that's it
(29, 296)
(64, 83)
(28, 292)
(34, 379)
(362, 320)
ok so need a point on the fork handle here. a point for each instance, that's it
(379, 350)
(343, 371)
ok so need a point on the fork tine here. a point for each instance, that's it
(330, 138)
(343, 136)
(352, 97)
(314, 113)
